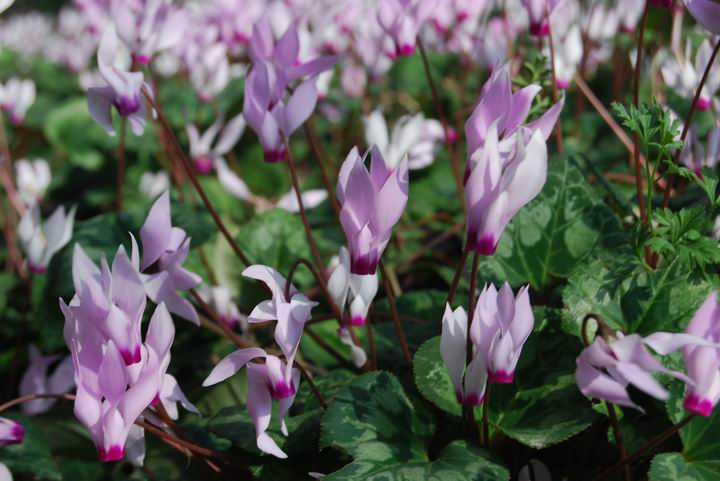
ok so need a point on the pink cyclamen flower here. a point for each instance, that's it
(402, 19)
(122, 92)
(497, 188)
(538, 11)
(415, 136)
(148, 26)
(290, 314)
(498, 104)
(32, 178)
(42, 240)
(110, 397)
(165, 248)
(268, 381)
(11, 432)
(469, 382)
(706, 13)
(501, 324)
(16, 97)
(275, 66)
(372, 203)
(35, 380)
(695, 156)
(205, 155)
(682, 76)
(220, 299)
(112, 301)
(703, 362)
(358, 291)
(606, 368)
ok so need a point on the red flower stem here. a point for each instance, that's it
(396, 318)
(617, 434)
(636, 101)
(306, 224)
(312, 140)
(558, 126)
(189, 169)
(454, 163)
(458, 274)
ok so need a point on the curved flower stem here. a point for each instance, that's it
(308, 230)
(120, 180)
(553, 73)
(469, 411)
(396, 318)
(452, 152)
(688, 120)
(31, 397)
(323, 288)
(458, 273)
(617, 434)
(636, 101)
(312, 140)
(645, 447)
(486, 418)
(311, 383)
(194, 180)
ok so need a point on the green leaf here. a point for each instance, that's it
(196, 221)
(700, 457)
(632, 299)
(564, 225)
(373, 421)
(33, 454)
(234, 423)
(276, 238)
(432, 378)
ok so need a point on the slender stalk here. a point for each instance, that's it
(120, 180)
(312, 140)
(454, 162)
(486, 417)
(636, 101)
(31, 397)
(216, 318)
(396, 318)
(469, 411)
(371, 344)
(553, 73)
(303, 215)
(456, 278)
(327, 347)
(645, 447)
(189, 169)
(311, 383)
(6, 171)
(617, 434)
(688, 120)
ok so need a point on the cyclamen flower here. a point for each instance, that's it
(413, 136)
(683, 77)
(204, 154)
(153, 184)
(498, 188)
(568, 54)
(703, 362)
(32, 179)
(16, 97)
(111, 301)
(538, 11)
(148, 26)
(275, 66)
(500, 326)
(165, 248)
(706, 13)
(110, 397)
(209, 69)
(35, 380)
(220, 299)
(11, 432)
(470, 381)
(41, 241)
(123, 91)
(358, 291)
(695, 156)
(290, 314)
(606, 368)
(273, 380)
(402, 19)
(372, 203)
(498, 104)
